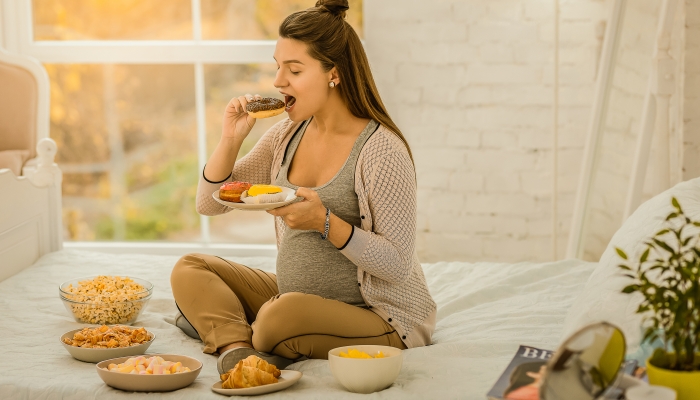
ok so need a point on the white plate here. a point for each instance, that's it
(291, 196)
(287, 379)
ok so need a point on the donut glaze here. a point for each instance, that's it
(264, 108)
(231, 191)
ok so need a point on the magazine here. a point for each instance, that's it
(521, 378)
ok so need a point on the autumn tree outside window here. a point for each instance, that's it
(138, 88)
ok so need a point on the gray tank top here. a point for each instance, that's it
(305, 262)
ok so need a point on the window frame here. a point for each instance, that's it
(17, 36)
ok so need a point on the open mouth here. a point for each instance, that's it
(289, 102)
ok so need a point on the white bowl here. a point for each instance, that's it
(366, 375)
(97, 355)
(150, 383)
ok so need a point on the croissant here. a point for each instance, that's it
(242, 376)
(227, 380)
(259, 363)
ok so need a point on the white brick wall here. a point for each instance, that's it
(691, 84)
(469, 83)
(2, 31)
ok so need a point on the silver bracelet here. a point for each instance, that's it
(324, 235)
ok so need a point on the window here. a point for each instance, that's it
(138, 88)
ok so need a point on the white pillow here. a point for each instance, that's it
(601, 299)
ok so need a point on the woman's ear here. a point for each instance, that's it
(334, 76)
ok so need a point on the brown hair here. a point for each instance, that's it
(333, 42)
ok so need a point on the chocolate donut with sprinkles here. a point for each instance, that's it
(265, 108)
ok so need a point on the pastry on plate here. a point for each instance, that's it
(231, 191)
(262, 194)
(251, 372)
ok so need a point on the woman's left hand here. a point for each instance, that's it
(308, 214)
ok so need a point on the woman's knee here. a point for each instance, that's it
(183, 268)
(277, 320)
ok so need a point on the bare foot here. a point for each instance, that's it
(233, 346)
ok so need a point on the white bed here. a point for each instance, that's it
(485, 310)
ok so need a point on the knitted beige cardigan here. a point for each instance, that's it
(390, 276)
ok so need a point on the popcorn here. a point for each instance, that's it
(148, 366)
(105, 337)
(107, 299)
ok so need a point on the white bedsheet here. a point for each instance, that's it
(485, 311)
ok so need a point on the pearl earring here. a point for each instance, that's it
(331, 85)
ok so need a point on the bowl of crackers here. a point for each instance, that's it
(105, 300)
(95, 344)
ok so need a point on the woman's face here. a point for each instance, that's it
(538, 376)
(301, 79)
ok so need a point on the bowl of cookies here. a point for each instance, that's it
(365, 368)
(105, 299)
(95, 344)
(149, 373)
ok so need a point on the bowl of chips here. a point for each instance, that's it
(95, 344)
(105, 299)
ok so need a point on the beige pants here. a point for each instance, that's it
(228, 302)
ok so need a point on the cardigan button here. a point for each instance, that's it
(359, 284)
(403, 337)
(389, 319)
(362, 216)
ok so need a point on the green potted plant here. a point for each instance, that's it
(667, 275)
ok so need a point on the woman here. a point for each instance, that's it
(525, 382)
(347, 271)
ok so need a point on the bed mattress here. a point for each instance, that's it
(485, 310)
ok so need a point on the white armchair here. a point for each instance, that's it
(24, 109)
(30, 205)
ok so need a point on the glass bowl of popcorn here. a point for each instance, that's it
(106, 299)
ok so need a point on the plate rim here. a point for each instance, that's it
(244, 391)
(253, 207)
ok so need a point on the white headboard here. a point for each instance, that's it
(30, 212)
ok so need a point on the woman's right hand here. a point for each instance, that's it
(237, 123)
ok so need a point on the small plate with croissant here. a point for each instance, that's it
(254, 376)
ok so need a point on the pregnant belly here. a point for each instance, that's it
(308, 264)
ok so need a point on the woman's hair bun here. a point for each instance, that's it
(335, 7)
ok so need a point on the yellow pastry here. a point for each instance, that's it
(243, 376)
(259, 363)
(256, 190)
